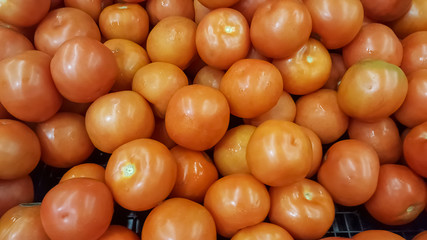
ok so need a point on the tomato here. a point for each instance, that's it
(386, 11)
(279, 153)
(262, 230)
(159, 9)
(73, 107)
(413, 111)
(15, 191)
(141, 174)
(304, 208)
(248, 8)
(222, 38)
(130, 57)
(19, 149)
(230, 152)
(93, 8)
(14, 43)
(61, 25)
(334, 238)
(24, 13)
(195, 174)
(160, 134)
(124, 20)
(118, 232)
(85, 170)
(306, 70)
(338, 69)
(64, 140)
(382, 135)
(319, 111)
(79, 208)
(407, 190)
(252, 87)
(22, 222)
(157, 82)
(172, 40)
(270, 32)
(212, 4)
(209, 76)
(414, 52)
(199, 11)
(197, 117)
(377, 235)
(374, 41)
(237, 201)
(254, 54)
(415, 149)
(4, 113)
(336, 22)
(413, 21)
(372, 89)
(27, 90)
(421, 236)
(350, 172)
(117, 118)
(317, 148)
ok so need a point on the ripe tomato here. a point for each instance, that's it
(304, 208)
(237, 201)
(27, 90)
(248, 8)
(15, 191)
(386, 10)
(159, 9)
(22, 222)
(279, 153)
(262, 230)
(414, 20)
(337, 71)
(160, 134)
(414, 52)
(421, 236)
(350, 172)
(4, 114)
(212, 4)
(140, 174)
(93, 8)
(180, 219)
(334, 238)
(72, 107)
(85, 170)
(407, 190)
(415, 149)
(377, 235)
(118, 232)
(24, 13)
(222, 38)
(209, 76)
(270, 32)
(14, 43)
(199, 11)
(117, 118)
(252, 87)
(317, 148)
(197, 117)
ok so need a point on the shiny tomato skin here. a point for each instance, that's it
(93, 8)
(85, 170)
(24, 13)
(159, 9)
(386, 10)
(14, 192)
(248, 8)
(263, 230)
(119, 232)
(414, 52)
(317, 148)
(213, 4)
(209, 76)
(16, 43)
(415, 149)
(412, 21)
(377, 235)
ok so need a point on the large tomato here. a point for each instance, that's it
(414, 52)
(263, 230)
(23, 13)
(415, 149)
(14, 43)
(413, 20)
(14, 192)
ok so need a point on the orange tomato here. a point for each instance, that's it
(85, 170)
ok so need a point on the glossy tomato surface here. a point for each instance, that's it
(119, 232)
(93, 8)
(412, 21)
(414, 52)
(24, 13)
(14, 43)
(262, 230)
(386, 10)
(14, 192)
(159, 9)
(377, 235)
(415, 149)
(85, 170)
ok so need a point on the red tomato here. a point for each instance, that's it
(414, 52)
(421, 236)
(141, 174)
(317, 148)
(93, 8)
(414, 20)
(334, 238)
(14, 43)
(83, 69)
(118, 232)
(407, 190)
(209, 76)
(79, 208)
(377, 235)
(304, 208)
(212, 4)
(415, 149)
(4, 113)
(23, 13)
(248, 8)
(22, 222)
(19, 149)
(14, 192)
(237, 201)
(350, 172)
(27, 90)
(160, 134)
(262, 230)
(337, 71)
(159, 9)
(386, 10)
(85, 170)
(179, 219)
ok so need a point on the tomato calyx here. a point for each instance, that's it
(128, 170)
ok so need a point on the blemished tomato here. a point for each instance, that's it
(93, 8)
(248, 7)
(14, 192)
(22, 222)
(377, 235)
(27, 90)
(415, 149)
(14, 43)
(317, 148)
(80, 208)
(209, 76)
(230, 152)
(179, 219)
(319, 111)
(85, 170)
(195, 174)
(304, 208)
(413, 21)
(159, 9)
(407, 190)
(372, 89)
(350, 172)
(124, 20)
(117, 118)
(141, 174)
(19, 149)
(262, 230)
(252, 87)
(306, 70)
(160, 134)
(386, 10)
(118, 232)
(421, 236)
(382, 135)
(374, 41)
(61, 25)
(279, 153)
(197, 117)
(336, 22)
(222, 37)
(270, 32)
(23, 13)
(237, 201)
(337, 71)
(414, 52)
(212, 4)
(157, 82)
(130, 57)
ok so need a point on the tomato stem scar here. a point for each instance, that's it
(128, 170)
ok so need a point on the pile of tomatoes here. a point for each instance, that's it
(237, 119)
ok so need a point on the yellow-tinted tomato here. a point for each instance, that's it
(159, 9)
(118, 232)
(337, 71)
(212, 4)
(15, 191)
(413, 21)
(197, 117)
(317, 148)
(23, 13)
(14, 43)
(386, 10)
(279, 153)
(415, 149)
(117, 118)
(262, 230)
(377, 235)
(85, 170)
(141, 174)
(209, 76)
(414, 52)
(93, 8)
(237, 201)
